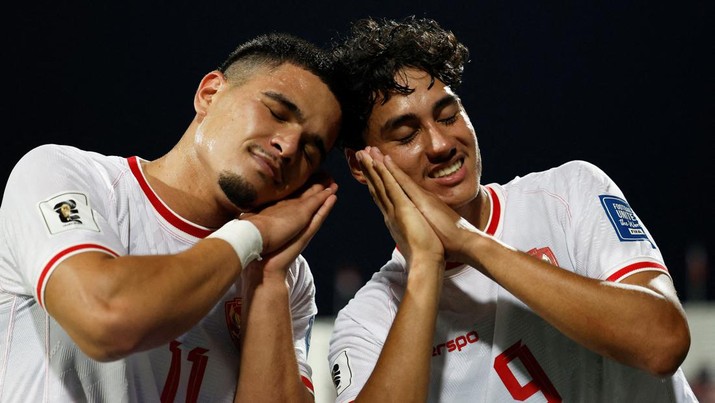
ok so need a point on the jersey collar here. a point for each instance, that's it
(493, 224)
(164, 211)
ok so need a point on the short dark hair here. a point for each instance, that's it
(274, 49)
(376, 50)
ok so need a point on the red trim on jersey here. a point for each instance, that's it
(165, 212)
(308, 384)
(496, 212)
(636, 266)
(61, 255)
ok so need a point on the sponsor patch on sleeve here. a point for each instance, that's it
(68, 211)
(341, 372)
(624, 220)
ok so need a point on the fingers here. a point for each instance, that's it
(391, 188)
(418, 195)
(426, 202)
(316, 222)
(317, 203)
(384, 187)
(374, 182)
(280, 260)
(312, 197)
(281, 222)
(317, 182)
(444, 221)
(407, 184)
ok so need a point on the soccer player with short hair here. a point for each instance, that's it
(130, 280)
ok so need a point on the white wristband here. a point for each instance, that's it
(244, 237)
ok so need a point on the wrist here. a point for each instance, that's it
(244, 238)
(425, 270)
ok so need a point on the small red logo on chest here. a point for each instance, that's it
(233, 319)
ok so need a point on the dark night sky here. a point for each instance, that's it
(626, 85)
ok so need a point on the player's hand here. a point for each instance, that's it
(408, 227)
(445, 222)
(296, 218)
(275, 264)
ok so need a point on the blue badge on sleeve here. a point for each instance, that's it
(624, 220)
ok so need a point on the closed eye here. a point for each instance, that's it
(449, 107)
(277, 115)
(282, 108)
(409, 138)
(449, 120)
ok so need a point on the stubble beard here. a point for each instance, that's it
(241, 193)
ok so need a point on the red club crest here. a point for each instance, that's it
(233, 319)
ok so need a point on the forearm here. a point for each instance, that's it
(638, 325)
(402, 370)
(133, 303)
(269, 368)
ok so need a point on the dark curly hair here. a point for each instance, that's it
(376, 50)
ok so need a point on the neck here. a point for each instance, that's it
(178, 180)
(478, 210)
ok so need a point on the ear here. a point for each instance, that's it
(354, 165)
(208, 87)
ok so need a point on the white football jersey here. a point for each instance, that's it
(488, 345)
(60, 201)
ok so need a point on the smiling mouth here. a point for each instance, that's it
(448, 170)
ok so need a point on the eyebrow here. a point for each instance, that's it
(400, 120)
(397, 121)
(449, 99)
(293, 108)
(278, 97)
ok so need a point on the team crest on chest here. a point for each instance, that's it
(68, 211)
(233, 319)
(545, 254)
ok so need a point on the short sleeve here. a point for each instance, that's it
(359, 333)
(610, 241)
(53, 207)
(303, 310)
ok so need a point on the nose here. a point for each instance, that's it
(286, 142)
(440, 146)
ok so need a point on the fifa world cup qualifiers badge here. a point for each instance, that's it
(68, 211)
(624, 220)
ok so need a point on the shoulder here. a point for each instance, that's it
(47, 154)
(51, 170)
(569, 177)
(580, 171)
(54, 157)
(57, 151)
(44, 164)
(568, 171)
